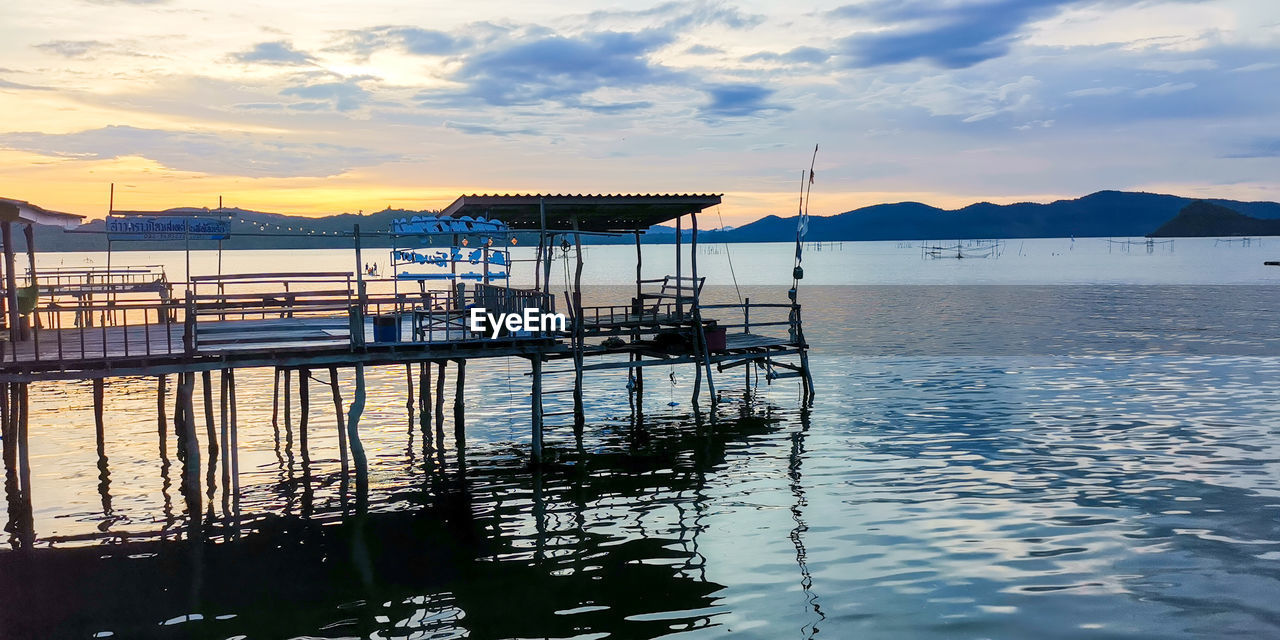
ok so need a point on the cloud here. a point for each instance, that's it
(73, 48)
(233, 154)
(278, 52)
(343, 95)
(526, 71)
(1097, 91)
(955, 34)
(1164, 89)
(488, 130)
(1260, 148)
(5, 84)
(737, 100)
(703, 50)
(414, 40)
(798, 55)
(1257, 66)
(1180, 66)
(680, 15)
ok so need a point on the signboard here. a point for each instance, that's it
(167, 228)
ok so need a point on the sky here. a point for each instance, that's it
(322, 107)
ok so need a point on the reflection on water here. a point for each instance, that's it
(1112, 485)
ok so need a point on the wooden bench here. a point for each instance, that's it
(673, 289)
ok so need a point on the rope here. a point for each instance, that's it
(729, 255)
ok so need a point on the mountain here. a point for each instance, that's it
(1105, 213)
(1101, 214)
(1202, 218)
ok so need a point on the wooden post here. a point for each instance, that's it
(161, 382)
(535, 405)
(11, 283)
(459, 408)
(28, 534)
(579, 416)
(6, 431)
(304, 411)
(288, 421)
(98, 419)
(408, 371)
(424, 400)
(337, 410)
(700, 336)
(29, 232)
(234, 448)
(275, 403)
(440, 400)
(100, 438)
(183, 418)
(224, 396)
(679, 272)
(206, 381)
(353, 433)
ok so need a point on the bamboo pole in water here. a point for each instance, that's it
(304, 411)
(535, 405)
(440, 399)
(579, 415)
(225, 406)
(206, 381)
(234, 449)
(337, 410)
(424, 400)
(459, 411)
(353, 433)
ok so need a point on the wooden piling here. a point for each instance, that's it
(304, 410)
(459, 411)
(353, 433)
(535, 406)
(579, 414)
(440, 400)
(337, 411)
(99, 425)
(275, 403)
(424, 401)
(409, 378)
(161, 423)
(225, 406)
(206, 381)
(184, 422)
(233, 451)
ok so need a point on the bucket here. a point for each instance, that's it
(715, 339)
(386, 328)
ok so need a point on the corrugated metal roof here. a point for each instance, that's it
(594, 212)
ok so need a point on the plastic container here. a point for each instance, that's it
(386, 328)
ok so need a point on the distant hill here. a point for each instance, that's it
(1101, 214)
(1201, 218)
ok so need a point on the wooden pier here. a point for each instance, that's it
(299, 323)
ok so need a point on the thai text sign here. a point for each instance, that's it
(167, 228)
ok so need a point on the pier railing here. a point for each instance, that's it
(323, 310)
(86, 330)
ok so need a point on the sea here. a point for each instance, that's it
(1050, 438)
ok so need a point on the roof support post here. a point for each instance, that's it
(700, 334)
(579, 415)
(679, 272)
(10, 281)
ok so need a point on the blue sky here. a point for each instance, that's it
(318, 107)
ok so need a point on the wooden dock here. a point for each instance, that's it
(303, 322)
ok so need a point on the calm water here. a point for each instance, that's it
(1093, 453)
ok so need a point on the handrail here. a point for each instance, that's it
(274, 277)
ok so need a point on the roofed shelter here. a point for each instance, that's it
(22, 212)
(595, 214)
